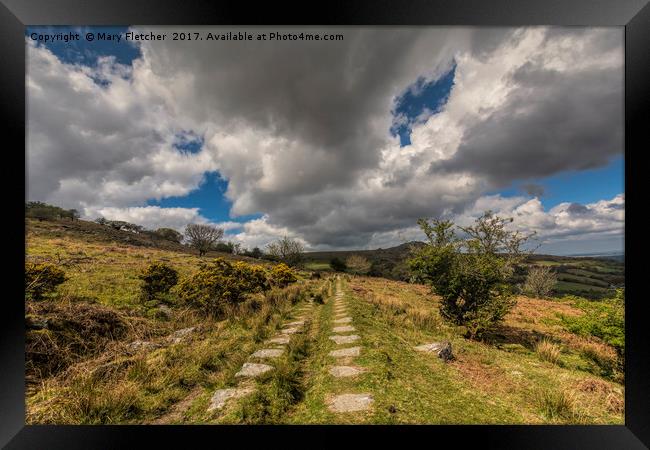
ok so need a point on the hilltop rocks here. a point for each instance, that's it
(440, 349)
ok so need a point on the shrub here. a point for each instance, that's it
(158, 279)
(254, 276)
(548, 351)
(338, 265)
(604, 319)
(42, 279)
(471, 274)
(169, 234)
(540, 281)
(282, 275)
(218, 284)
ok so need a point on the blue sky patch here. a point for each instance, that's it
(209, 198)
(82, 51)
(188, 142)
(584, 186)
(423, 96)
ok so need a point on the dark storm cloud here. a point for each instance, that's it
(551, 123)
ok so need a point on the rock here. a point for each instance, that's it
(441, 349)
(139, 345)
(350, 351)
(345, 371)
(297, 323)
(278, 340)
(165, 311)
(221, 396)
(290, 330)
(253, 370)
(268, 353)
(343, 320)
(351, 402)
(179, 335)
(345, 339)
(343, 329)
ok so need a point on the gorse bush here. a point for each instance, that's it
(221, 283)
(158, 279)
(42, 279)
(253, 276)
(282, 275)
(472, 273)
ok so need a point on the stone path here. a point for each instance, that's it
(351, 402)
(251, 370)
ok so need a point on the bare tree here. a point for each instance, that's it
(540, 281)
(202, 237)
(358, 264)
(287, 250)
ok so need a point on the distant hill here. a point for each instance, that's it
(591, 276)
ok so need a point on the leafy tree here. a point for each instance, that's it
(202, 237)
(470, 273)
(338, 264)
(540, 281)
(228, 247)
(255, 253)
(358, 264)
(43, 211)
(287, 250)
(169, 234)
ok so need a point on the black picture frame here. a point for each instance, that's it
(634, 15)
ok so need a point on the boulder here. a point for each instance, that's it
(441, 349)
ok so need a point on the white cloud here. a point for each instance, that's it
(301, 131)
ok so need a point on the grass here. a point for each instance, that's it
(551, 361)
(95, 376)
(548, 351)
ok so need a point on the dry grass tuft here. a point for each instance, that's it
(548, 351)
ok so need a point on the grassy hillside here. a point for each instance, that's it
(97, 355)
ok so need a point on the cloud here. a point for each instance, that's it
(301, 130)
(533, 189)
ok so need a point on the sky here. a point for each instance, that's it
(339, 144)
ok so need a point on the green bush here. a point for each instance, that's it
(254, 276)
(604, 319)
(338, 265)
(42, 279)
(220, 283)
(158, 279)
(471, 274)
(282, 275)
